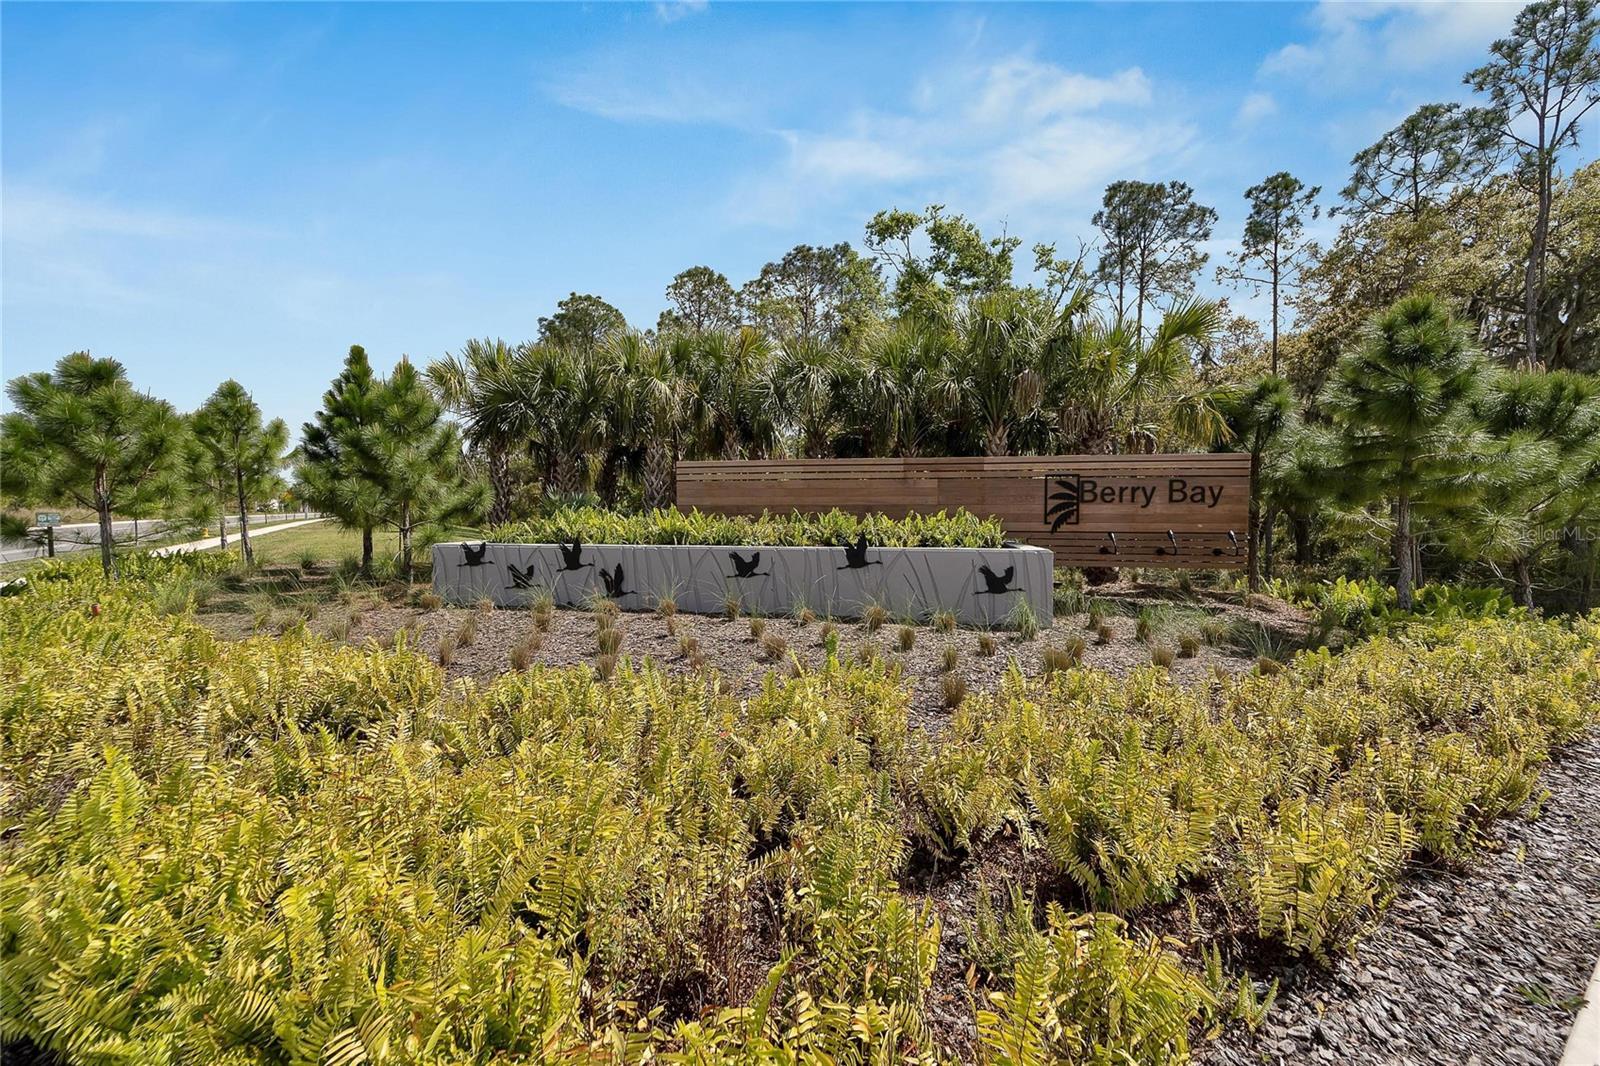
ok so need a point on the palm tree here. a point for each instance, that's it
(905, 394)
(732, 396)
(810, 378)
(647, 392)
(499, 415)
(1119, 391)
(996, 372)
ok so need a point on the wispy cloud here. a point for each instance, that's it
(1014, 135)
(1253, 109)
(1353, 43)
(673, 10)
(39, 216)
(610, 92)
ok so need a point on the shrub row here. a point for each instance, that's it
(1369, 607)
(596, 525)
(283, 850)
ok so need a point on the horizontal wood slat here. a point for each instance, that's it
(1201, 499)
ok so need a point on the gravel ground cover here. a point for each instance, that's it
(1485, 965)
(728, 645)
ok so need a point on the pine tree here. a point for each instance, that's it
(1401, 402)
(328, 467)
(415, 456)
(246, 453)
(81, 433)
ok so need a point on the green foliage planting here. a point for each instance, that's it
(285, 849)
(595, 525)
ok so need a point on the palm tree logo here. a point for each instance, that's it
(1061, 496)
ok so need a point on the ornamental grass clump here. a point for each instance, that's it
(952, 690)
(524, 650)
(906, 638)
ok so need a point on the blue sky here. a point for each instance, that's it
(212, 191)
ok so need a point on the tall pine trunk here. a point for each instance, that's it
(1269, 522)
(244, 523)
(1404, 558)
(405, 542)
(102, 508)
(366, 550)
(1524, 574)
(1534, 275)
(1300, 529)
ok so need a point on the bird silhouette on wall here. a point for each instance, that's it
(613, 582)
(855, 555)
(471, 556)
(997, 584)
(521, 579)
(747, 567)
(572, 555)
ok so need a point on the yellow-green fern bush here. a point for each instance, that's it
(1082, 990)
(1316, 876)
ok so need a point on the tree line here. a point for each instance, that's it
(381, 453)
(1422, 396)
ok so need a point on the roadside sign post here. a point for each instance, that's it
(49, 520)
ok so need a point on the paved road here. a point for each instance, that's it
(216, 542)
(82, 536)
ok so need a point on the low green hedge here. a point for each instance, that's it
(596, 525)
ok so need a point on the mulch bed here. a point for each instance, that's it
(1483, 965)
(729, 648)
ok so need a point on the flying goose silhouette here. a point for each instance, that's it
(521, 579)
(572, 556)
(474, 556)
(747, 567)
(613, 582)
(855, 555)
(997, 584)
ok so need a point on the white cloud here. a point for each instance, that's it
(1355, 42)
(1253, 108)
(1016, 135)
(673, 10)
(605, 92)
(37, 216)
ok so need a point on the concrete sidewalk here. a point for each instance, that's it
(216, 542)
(1583, 1044)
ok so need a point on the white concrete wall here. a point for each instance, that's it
(700, 579)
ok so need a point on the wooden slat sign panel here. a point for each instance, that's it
(1184, 511)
